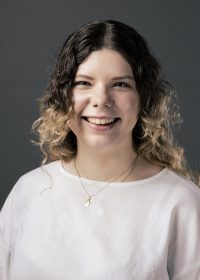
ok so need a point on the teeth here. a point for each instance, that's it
(100, 121)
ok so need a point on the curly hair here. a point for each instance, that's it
(159, 111)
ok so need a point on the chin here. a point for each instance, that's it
(99, 144)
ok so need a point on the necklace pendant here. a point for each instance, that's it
(87, 203)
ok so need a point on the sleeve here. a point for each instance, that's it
(184, 245)
(191, 272)
(7, 216)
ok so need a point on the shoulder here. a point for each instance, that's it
(167, 183)
(37, 179)
(181, 192)
(173, 190)
(183, 248)
(40, 172)
(180, 182)
(29, 187)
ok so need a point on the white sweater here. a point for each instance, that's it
(141, 230)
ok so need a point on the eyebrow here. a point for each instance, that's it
(115, 78)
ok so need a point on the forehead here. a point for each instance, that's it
(106, 61)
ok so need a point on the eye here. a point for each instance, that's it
(122, 84)
(82, 83)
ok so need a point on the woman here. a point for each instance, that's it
(113, 198)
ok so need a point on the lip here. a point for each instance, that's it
(98, 128)
(99, 117)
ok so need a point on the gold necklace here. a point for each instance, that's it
(88, 201)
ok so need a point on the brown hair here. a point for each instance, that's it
(152, 134)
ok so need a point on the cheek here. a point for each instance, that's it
(130, 104)
(79, 101)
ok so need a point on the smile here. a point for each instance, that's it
(101, 122)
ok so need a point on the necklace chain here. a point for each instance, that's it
(88, 201)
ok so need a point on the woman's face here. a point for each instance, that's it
(105, 102)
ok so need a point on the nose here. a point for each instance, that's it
(101, 97)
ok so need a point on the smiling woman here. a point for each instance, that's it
(105, 112)
(113, 198)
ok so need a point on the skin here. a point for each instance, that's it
(102, 96)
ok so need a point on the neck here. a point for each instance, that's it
(102, 165)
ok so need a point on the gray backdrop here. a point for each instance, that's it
(32, 33)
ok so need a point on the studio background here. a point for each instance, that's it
(32, 33)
